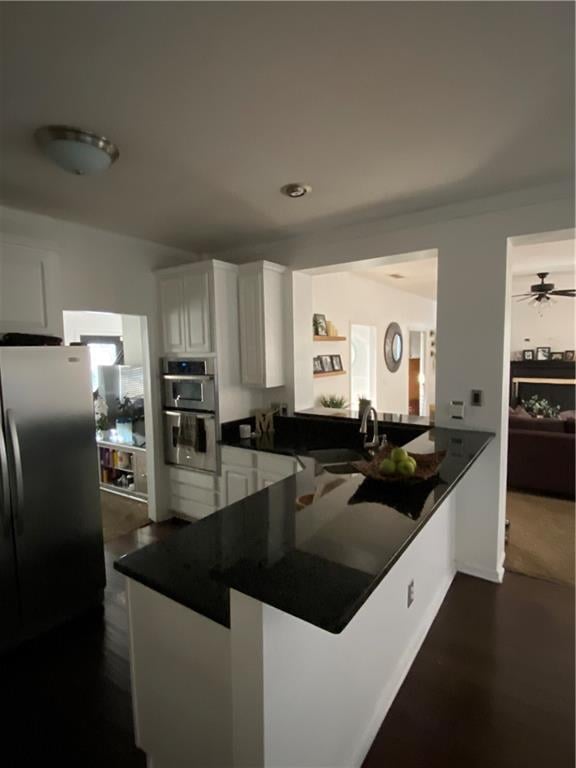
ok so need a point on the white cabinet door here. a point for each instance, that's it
(172, 310)
(185, 306)
(238, 483)
(252, 339)
(28, 290)
(262, 300)
(266, 479)
(197, 312)
(272, 468)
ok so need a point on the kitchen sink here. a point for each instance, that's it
(337, 460)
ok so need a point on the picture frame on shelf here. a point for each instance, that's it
(542, 353)
(337, 362)
(557, 356)
(569, 355)
(528, 354)
(318, 365)
(326, 361)
(320, 325)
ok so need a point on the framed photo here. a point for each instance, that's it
(318, 365)
(542, 353)
(557, 356)
(326, 361)
(528, 354)
(336, 362)
(569, 355)
(320, 327)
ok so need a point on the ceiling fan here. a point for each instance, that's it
(542, 293)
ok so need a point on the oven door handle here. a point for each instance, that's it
(189, 414)
(187, 377)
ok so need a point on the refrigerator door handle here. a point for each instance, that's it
(4, 484)
(17, 468)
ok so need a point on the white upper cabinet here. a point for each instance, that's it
(262, 301)
(29, 301)
(172, 308)
(186, 307)
(197, 312)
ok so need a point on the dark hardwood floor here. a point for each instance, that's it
(65, 697)
(493, 684)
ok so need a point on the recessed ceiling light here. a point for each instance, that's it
(76, 151)
(296, 189)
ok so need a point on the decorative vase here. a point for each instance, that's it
(363, 403)
(124, 431)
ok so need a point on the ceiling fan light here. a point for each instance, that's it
(76, 151)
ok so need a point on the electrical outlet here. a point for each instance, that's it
(456, 409)
(410, 597)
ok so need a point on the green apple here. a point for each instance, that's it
(413, 461)
(387, 467)
(406, 468)
(398, 454)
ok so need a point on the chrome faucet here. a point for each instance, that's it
(375, 443)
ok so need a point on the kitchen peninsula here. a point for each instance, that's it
(277, 631)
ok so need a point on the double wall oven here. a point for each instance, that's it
(190, 421)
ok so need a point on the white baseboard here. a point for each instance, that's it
(402, 669)
(496, 575)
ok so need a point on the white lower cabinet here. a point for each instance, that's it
(194, 495)
(238, 483)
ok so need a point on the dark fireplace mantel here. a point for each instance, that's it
(557, 381)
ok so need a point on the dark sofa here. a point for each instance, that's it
(541, 455)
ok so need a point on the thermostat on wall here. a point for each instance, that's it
(456, 409)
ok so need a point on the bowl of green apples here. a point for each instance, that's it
(395, 465)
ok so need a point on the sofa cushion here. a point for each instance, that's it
(536, 425)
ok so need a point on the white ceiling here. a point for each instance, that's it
(550, 257)
(381, 107)
(418, 277)
(418, 272)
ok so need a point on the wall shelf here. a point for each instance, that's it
(329, 338)
(329, 373)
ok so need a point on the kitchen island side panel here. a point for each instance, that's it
(320, 697)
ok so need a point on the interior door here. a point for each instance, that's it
(9, 603)
(50, 431)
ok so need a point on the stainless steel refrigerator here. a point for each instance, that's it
(51, 549)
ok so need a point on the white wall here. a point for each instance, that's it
(555, 328)
(105, 272)
(471, 239)
(346, 298)
(77, 324)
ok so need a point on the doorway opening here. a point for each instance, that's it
(542, 400)
(363, 363)
(418, 374)
(122, 423)
(356, 306)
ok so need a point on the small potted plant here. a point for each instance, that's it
(100, 416)
(540, 408)
(333, 401)
(126, 414)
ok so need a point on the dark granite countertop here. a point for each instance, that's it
(297, 435)
(319, 563)
(383, 417)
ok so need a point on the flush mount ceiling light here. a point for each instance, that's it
(296, 189)
(76, 151)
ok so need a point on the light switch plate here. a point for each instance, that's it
(456, 409)
(477, 397)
